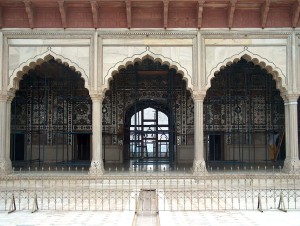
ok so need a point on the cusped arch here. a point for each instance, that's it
(270, 67)
(147, 55)
(17, 74)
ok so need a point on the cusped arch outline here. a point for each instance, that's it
(17, 74)
(147, 55)
(270, 67)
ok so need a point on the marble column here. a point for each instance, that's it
(199, 162)
(97, 161)
(5, 106)
(291, 162)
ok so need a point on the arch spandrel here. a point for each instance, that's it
(270, 67)
(147, 55)
(17, 74)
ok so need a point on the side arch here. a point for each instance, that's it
(147, 55)
(17, 74)
(270, 67)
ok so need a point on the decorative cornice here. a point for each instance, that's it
(53, 34)
(153, 34)
(68, 33)
(246, 33)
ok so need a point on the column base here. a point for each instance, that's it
(5, 167)
(291, 166)
(199, 166)
(96, 168)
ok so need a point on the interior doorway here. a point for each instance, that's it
(83, 147)
(215, 147)
(149, 135)
(17, 147)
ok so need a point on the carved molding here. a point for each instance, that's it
(247, 34)
(159, 33)
(147, 34)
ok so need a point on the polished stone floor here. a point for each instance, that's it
(176, 218)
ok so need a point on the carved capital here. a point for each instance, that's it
(199, 95)
(290, 97)
(95, 96)
(6, 96)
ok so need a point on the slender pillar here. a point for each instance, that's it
(97, 162)
(199, 162)
(5, 162)
(291, 162)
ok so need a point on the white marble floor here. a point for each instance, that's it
(176, 218)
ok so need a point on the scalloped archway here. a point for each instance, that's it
(270, 67)
(147, 55)
(17, 75)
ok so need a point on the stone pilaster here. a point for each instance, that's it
(199, 162)
(291, 162)
(97, 162)
(5, 106)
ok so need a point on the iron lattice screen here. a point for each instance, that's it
(51, 116)
(242, 111)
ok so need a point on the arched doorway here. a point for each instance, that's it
(244, 118)
(149, 134)
(51, 119)
(148, 114)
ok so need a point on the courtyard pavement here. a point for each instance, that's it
(174, 218)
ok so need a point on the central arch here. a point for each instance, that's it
(147, 84)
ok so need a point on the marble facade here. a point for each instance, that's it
(196, 54)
